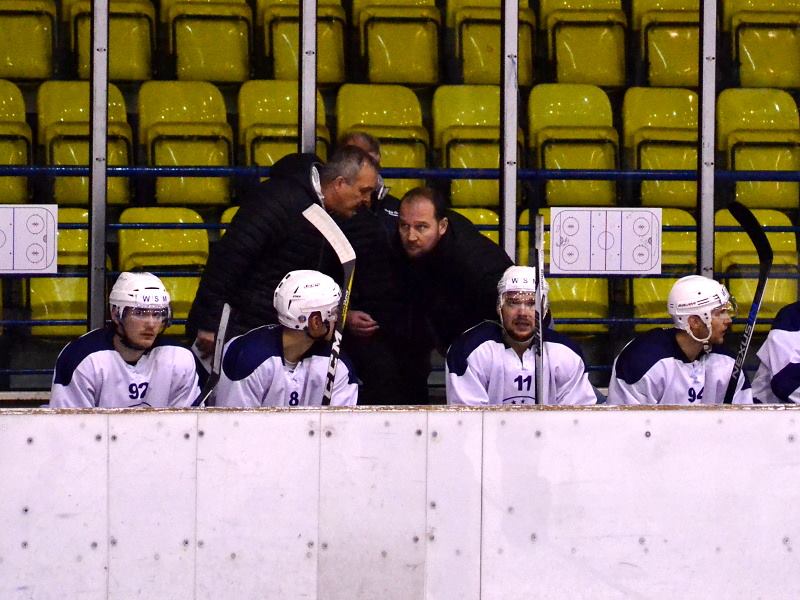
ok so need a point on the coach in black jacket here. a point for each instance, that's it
(453, 269)
(381, 339)
(269, 237)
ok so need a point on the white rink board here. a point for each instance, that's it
(383, 503)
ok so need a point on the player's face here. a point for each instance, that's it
(519, 315)
(349, 197)
(418, 227)
(721, 319)
(143, 325)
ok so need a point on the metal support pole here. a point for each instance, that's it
(308, 76)
(97, 152)
(509, 120)
(708, 100)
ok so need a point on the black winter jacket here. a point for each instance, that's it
(267, 238)
(378, 285)
(455, 285)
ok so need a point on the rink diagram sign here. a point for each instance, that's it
(28, 238)
(605, 241)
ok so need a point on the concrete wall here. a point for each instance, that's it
(400, 504)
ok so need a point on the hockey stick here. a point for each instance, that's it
(317, 216)
(206, 396)
(539, 362)
(756, 234)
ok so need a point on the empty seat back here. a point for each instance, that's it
(268, 121)
(15, 142)
(184, 123)
(64, 135)
(660, 133)
(571, 127)
(759, 130)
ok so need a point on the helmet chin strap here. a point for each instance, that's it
(704, 341)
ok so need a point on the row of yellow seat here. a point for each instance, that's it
(399, 40)
(187, 249)
(570, 126)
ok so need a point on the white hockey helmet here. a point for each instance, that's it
(520, 279)
(699, 296)
(302, 293)
(139, 290)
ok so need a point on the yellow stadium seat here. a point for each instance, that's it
(660, 133)
(184, 123)
(765, 41)
(166, 249)
(28, 38)
(64, 298)
(399, 40)
(759, 130)
(570, 297)
(669, 40)
(210, 40)
(131, 37)
(268, 121)
(734, 253)
(585, 40)
(466, 125)
(64, 135)
(570, 126)
(392, 114)
(476, 29)
(227, 217)
(15, 142)
(131, 34)
(280, 20)
(483, 217)
(678, 257)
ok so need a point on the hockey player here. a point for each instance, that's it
(685, 364)
(493, 363)
(287, 364)
(778, 375)
(127, 364)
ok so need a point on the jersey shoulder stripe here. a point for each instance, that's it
(76, 352)
(467, 342)
(248, 351)
(554, 337)
(644, 351)
(788, 318)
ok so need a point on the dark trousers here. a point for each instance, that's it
(392, 372)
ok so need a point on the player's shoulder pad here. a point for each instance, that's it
(77, 350)
(247, 352)
(644, 351)
(467, 342)
(555, 337)
(788, 318)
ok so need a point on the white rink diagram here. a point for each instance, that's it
(401, 504)
(605, 241)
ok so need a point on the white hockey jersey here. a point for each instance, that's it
(652, 369)
(254, 374)
(91, 373)
(778, 375)
(481, 369)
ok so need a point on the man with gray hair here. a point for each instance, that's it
(269, 237)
